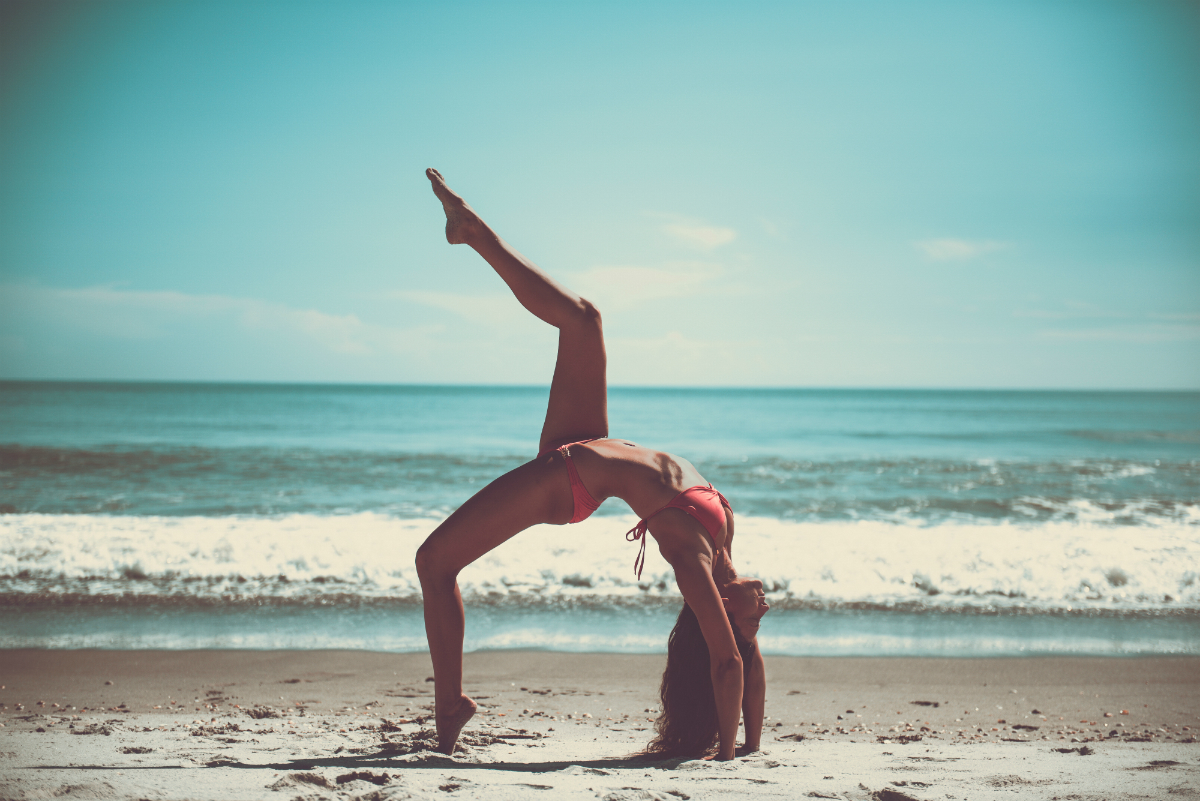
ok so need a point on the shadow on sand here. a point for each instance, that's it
(400, 762)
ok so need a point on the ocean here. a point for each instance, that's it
(882, 522)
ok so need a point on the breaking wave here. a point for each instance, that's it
(1084, 565)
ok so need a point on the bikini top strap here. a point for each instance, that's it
(724, 502)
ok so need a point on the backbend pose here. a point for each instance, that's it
(714, 670)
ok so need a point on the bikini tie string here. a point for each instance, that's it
(638, 532)
(634, 534)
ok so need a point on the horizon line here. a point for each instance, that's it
(469, 385)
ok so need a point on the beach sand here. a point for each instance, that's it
(351, 724)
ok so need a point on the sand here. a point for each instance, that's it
(349, 724)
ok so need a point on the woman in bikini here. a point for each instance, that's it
(715, 672)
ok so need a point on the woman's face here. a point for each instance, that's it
(745, 603)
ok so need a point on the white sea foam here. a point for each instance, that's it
(1091, 564)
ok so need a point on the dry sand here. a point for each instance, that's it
(347, 724)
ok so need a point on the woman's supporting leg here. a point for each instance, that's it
(536, 492)
(578, 406)
(524, 497)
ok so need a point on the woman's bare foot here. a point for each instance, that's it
(451, 724)
(461, 220)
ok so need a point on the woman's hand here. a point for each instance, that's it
(754, 696)
(693, 574)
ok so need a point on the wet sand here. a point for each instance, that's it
(348, 724)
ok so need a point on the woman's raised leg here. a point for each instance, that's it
(578, 406)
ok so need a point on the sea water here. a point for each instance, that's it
(882, 522)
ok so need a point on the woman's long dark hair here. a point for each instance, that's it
(688, 725)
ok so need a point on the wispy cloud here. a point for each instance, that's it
(674, 358)
(1185, 316)
(1091, 323)
(142, 315)
(498, 311)
(1073, 310)
(1141, 333)
(695, 234)
(610, 287)
(623, 286)
(958, 249)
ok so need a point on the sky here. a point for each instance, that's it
(797, 194)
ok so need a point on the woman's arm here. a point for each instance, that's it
(693, 573)
(754, 699)
(723, 571)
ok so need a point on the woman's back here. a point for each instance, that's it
(653, 482)
(642, 477)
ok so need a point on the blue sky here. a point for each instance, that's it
(797, 194)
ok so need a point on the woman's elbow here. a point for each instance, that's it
(727, 668)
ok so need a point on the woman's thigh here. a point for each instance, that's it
(536, 492)
(578, 404)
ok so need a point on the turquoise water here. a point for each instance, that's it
(592, 630)
(889, 522)
(220, 449)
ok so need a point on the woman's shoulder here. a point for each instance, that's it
(622, 450)
(630, 453)
(631, 465)
(617, 442)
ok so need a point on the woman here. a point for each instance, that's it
(577, 467)
(688, 725)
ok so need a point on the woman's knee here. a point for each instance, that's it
(432, 562)
(586, 314)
